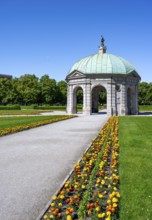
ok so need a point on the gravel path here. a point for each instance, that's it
(34, 163)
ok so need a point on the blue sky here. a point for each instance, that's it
(48, 36)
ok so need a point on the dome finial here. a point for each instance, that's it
(102, 41)
(102, 48)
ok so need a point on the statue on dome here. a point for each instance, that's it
(102, 41)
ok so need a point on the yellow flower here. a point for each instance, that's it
(61, 196)
(69, 217)
(100, 195)
(114, 200)
(115, 205)
(101, 215)
(54, 197)
(113, 194)
(98, 208)
(52, 204)
(83, 187)
(75, 186)
(51, 216)
(108, 201)
(102, 182)
(98, 180)
(108, 213)
(89, 212)
(60, 204)
(118, 194)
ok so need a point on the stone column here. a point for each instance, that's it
(124, 109)
(87, 99)
(70, 100)
(114, 104)
(109, 112)
(111, 98)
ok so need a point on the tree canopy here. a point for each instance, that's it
(145, 93)
(29, 89)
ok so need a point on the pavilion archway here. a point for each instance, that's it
(78, 99)
(98, 98)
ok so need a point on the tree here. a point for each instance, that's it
(149, 94)
(62, 92)
(28, 89)
(103, 97)
(5, 90)
(48, 90)
(144, 93)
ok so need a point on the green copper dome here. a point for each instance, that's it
(103, 63)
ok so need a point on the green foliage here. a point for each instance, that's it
(135, 167)
(145, 107)
(62, 92)
(10, 107)
(145, 93)
(48, 90)
(28, 89)
(49, 107)
(102, 97)
(5, 90)
(79, 96)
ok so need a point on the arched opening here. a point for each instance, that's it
(99, 99)
(129, 101)
(78, 100)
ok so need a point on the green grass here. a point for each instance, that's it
(145, 107)
(22, 112)
(135, 135)
(10, 122)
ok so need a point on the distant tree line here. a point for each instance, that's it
(29, 89)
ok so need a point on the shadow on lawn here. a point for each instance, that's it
(145, 113)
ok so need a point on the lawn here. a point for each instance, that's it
(145, 108)
(29, 110)
(9, 122)
(9, 125)
(135, 134)
(22, 112)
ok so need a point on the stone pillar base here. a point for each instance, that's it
(123, 112)
(71, 111)
(86, 111)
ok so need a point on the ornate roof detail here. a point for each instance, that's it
(102, 48)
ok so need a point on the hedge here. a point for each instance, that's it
(10, 107)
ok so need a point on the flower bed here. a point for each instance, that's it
(91, 192)
(32, 125)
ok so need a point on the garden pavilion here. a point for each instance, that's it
(103, 72)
